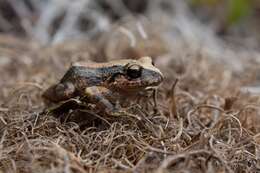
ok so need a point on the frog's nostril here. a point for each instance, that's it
(160, 78)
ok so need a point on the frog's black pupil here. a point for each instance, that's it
(134, 73)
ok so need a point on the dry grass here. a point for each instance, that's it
(204, 120)
(205, 125)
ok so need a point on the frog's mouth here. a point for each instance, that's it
(138, 85)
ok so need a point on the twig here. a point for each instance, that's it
(173, 108)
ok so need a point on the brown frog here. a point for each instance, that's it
(106, 84)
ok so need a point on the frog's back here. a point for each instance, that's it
(82, 77)
(92, 74)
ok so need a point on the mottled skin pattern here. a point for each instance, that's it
(104, 84)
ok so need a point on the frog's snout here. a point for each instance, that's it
(161, 78)
(156, 79)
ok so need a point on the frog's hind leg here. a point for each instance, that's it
(59, 92)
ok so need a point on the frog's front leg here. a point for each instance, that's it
(104, 99)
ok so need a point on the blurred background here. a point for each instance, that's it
(218, 28)
(52, 21)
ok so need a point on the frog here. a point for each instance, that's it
(106, 84)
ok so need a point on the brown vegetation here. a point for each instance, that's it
(206, 119)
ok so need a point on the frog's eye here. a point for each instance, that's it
(134, 71)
